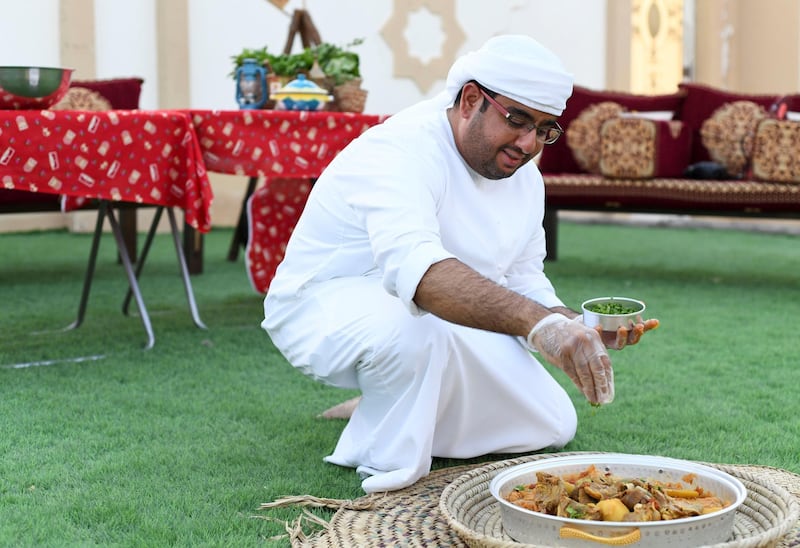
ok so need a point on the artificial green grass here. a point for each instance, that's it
(178, 445)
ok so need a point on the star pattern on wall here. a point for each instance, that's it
(395, 32)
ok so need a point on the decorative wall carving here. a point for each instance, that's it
(424, 73)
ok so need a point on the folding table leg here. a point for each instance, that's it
(240, 235)
(132, 282)
(187, 284)
(143, 256)
(87, 280)
(184, 270)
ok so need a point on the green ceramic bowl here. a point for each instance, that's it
(32, 87)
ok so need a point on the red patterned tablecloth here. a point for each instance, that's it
(138, 156)
(289, 149)
(162, 158)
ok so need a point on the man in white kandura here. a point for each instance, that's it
(415, 275)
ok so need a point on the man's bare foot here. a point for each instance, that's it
(343, 410)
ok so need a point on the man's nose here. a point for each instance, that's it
(529, 144)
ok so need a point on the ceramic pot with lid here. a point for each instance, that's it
(301, 94)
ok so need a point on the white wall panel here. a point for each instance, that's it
(29, 33)
(126, 45)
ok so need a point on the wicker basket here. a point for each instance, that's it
(274, 83)
(350, 97)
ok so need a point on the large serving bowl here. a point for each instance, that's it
(541, 529)
(32, 87)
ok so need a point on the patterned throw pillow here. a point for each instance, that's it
(700, 103)
(558, 158)
(79, 98)
(728, 134)
(122, 93)
(583, 137)
(776, 151)
(639, 148)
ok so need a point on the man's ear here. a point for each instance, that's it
(471, 99)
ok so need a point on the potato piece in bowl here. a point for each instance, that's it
(613, 509)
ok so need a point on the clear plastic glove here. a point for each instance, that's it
(578, 351)
(626, 336)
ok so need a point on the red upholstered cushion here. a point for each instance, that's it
(122, 93)
(788, 108)
(701, 102)
(792, 102)
(558, 158)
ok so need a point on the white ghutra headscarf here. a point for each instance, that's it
(517, 67)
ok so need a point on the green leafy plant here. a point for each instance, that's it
(291, 64)
(260, 55)
(337, 62)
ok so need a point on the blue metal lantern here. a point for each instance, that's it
(251, 85)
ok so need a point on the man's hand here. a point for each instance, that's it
(626, 336)
(579, 352)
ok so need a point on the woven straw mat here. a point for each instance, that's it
(452, 507)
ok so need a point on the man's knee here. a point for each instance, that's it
(416, 349)
(567, 426)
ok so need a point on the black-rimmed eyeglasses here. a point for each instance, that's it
(546, 134)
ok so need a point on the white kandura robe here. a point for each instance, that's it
(395, 201)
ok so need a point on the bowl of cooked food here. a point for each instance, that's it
(611, 313)
(616, 498)
(30, 87)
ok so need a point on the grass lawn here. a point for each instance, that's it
(104, 443)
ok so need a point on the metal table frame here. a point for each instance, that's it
(106, 210)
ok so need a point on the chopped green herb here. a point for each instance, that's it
(610, 308)
(574, 512)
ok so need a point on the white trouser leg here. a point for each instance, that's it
(430, 388)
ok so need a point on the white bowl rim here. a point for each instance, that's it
(622, 459)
